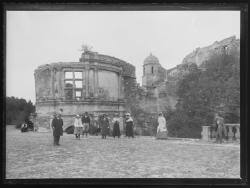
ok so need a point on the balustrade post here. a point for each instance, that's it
(205, 134)
(230, 133)
(237, 134)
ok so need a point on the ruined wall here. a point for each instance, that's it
(108, 81)
(229, 45)
(101, 80)
(130, 92)
(153, 74)
(200, 56)
(43, 85)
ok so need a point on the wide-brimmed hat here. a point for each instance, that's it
(127, 114)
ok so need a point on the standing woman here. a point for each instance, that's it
(57, 126)
(104, 126)
(78, 126)
(86, 123)
(162, 132)
(116, 126)
(129, 126)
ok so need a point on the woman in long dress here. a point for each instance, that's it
(78, 126)
(162, 132)
(129, 126)
(116, 126)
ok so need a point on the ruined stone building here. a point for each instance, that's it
(96, 84)
(156, 95)
(103, 84)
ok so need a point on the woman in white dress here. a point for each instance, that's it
(162, 132)
(78, 126)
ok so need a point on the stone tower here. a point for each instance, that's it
(153, 72)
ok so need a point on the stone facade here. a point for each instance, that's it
(153, 72)
(95, 84)
(157, 96)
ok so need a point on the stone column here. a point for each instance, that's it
(74, 96)
(52, 82)
(230, 133)
(96, 84)
(119, 85)
(87, 79)
(205, 133)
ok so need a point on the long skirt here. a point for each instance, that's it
(78, 130)
(129, 131)
(116, 131)
(162, 135)
(85, 127)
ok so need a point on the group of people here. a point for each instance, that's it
(220, 129)
(28, 125)
(102, 125)
(81, 125)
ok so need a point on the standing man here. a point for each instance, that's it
(104, 126)
(86, 123)
(219, 122)
(57, 126)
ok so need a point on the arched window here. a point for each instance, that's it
(152, 70)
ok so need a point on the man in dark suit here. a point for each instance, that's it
(57, 126)
(219, 121)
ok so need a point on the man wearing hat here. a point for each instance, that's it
(104, 126)
(86, 123)
(57, 126)
(219, 122)
(129, 125)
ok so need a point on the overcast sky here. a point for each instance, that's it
(41, 37)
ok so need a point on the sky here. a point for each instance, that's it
(34, 38)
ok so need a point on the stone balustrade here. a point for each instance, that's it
(232, 132)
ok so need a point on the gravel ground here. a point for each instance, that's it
(32, 155)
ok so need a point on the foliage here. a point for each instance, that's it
(203, 93)
(86, 48)
(17, 110)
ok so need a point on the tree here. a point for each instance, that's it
(86, 48)
(17, 110)
(202, 93)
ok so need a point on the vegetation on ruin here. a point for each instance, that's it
(203, 93)
(17, 110)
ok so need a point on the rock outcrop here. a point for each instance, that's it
(229, 45)
(200, 56)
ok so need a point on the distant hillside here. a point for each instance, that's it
(229, 46)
